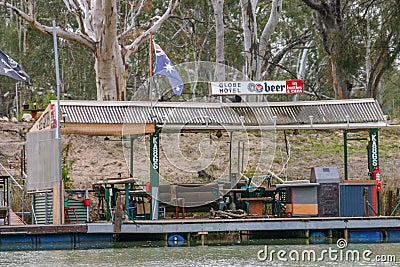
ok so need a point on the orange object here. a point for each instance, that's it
(376, 174)
(67, 217)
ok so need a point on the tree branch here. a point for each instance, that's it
(281, 53)
(154, 28)
(314, 5)
(132, 24)
(82, 39)
(276, 10)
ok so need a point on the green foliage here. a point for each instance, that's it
(189, 35)
(10, 43)
(389, 97)
(66, 166)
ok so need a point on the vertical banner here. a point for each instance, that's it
(373, 166)
(154, 174)
(257, 87)
(373, 150)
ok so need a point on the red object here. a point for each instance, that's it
(86, 202)
(148, 190)
(376, 174)
(148, 187)
(294, 87)
(67, 217)
(53, 119)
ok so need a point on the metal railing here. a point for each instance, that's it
(11, 191)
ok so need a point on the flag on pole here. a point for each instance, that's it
(10, 68)
(165, 67)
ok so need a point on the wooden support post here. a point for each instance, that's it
(118, 214)
(58, 216)
(366, 208)
(329, 235)
(389, 206)
(346, 234)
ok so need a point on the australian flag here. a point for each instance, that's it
(165, 67)
(10, 68)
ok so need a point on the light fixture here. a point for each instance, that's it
(311, 120)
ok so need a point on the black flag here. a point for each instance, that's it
(10, 68)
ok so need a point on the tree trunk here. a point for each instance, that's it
(264, 48)
(330, 23)
(109, 64)
(111, 74)
(249, 25)
(341, 84)
(218, 6)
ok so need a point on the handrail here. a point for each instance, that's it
(12, 177)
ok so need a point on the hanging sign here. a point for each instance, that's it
(257, 88)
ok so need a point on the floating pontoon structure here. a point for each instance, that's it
(138, 117)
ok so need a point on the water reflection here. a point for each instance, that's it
(243, 254)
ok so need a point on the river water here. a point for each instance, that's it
(257, 254)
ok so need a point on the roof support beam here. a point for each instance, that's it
(105, 129)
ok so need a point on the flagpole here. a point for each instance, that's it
(16, 101)
(151, 56)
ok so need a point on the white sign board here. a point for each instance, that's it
(257, 88)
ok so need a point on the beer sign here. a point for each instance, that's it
(257, 88)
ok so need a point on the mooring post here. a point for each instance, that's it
(154, 172)
(188, 239)
(346, 234)
(203, 237)
(329, 233)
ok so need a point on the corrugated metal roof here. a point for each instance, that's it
(193, 114)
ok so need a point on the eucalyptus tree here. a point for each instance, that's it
(255, 48)
(361, 40)
(380, 29)
(260, 54)
(330, 23)
(100, 28)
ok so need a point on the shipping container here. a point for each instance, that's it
(352, 198)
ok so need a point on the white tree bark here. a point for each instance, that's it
(276, 10)
(97, 20)
(256, 50)
(218, 6)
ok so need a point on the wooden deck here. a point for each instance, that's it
(214, 225)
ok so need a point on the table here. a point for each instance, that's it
(256, 204)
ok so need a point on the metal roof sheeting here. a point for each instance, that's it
(339, 112)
